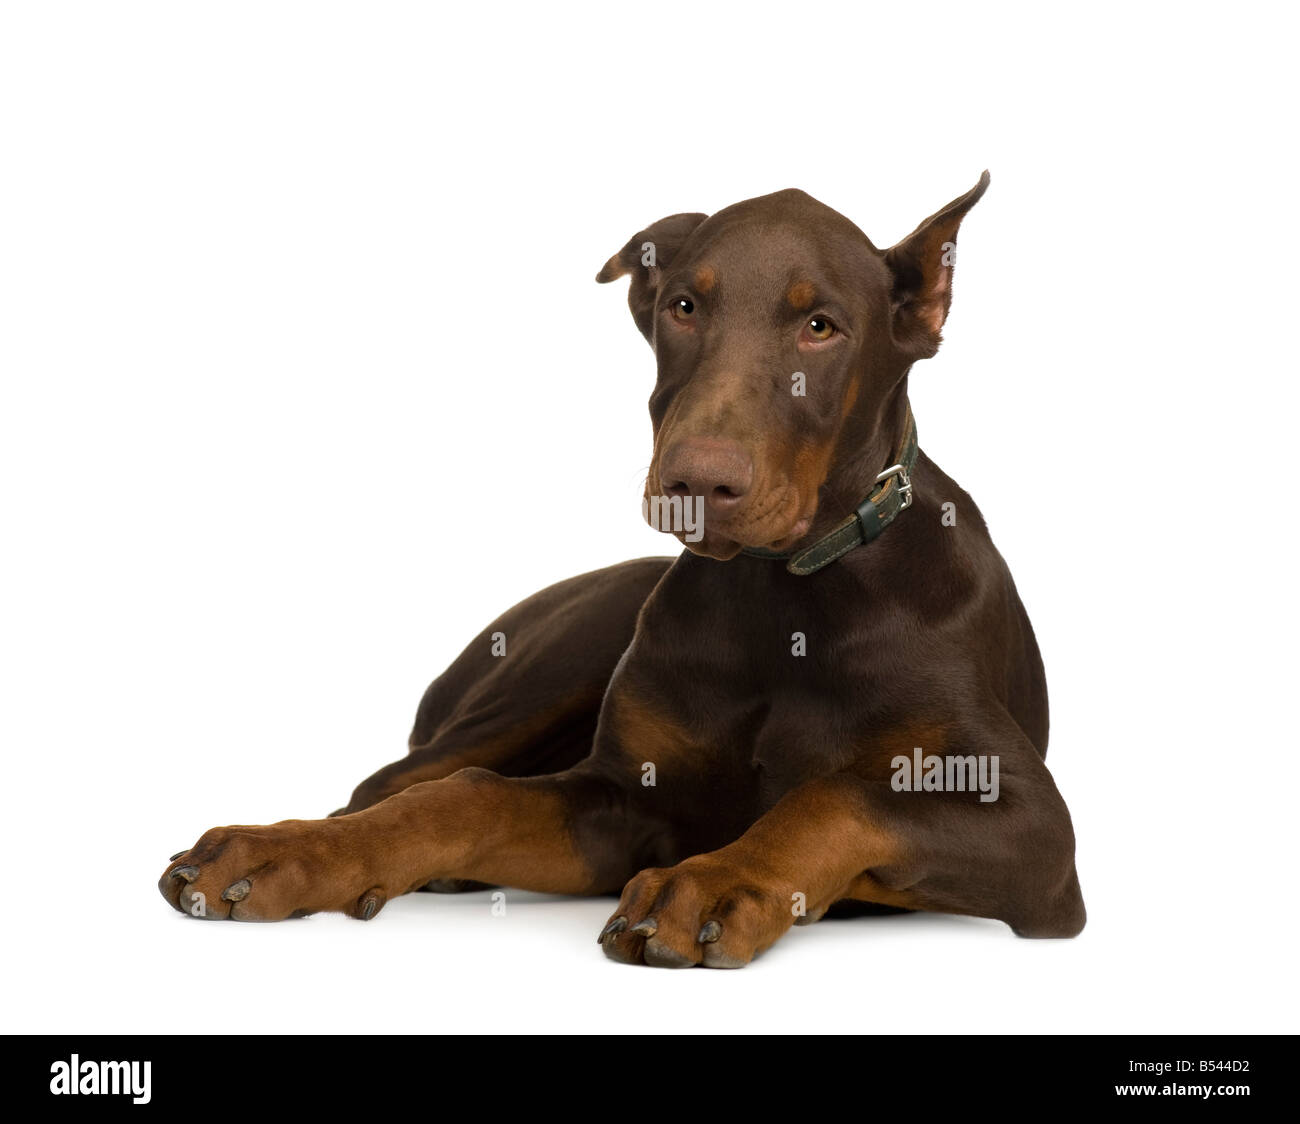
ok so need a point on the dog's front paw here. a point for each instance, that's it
(702, 911)
(269, 873)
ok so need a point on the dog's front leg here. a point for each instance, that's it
(857, 835)
(722, 908)
(564, 833)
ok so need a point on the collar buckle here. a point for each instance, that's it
(904, 482)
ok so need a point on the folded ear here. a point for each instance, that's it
(922, 267)
(645, 256)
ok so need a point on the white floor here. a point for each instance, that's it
(92, 948)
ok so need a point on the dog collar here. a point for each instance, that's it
(892, 494)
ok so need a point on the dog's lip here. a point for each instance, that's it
(719, 549)
(721, 541)
(792, 536)
(796, 532)
(710, 544)
(718, 541)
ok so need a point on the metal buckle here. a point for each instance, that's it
(904, 486)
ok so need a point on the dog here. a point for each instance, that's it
(833, 695)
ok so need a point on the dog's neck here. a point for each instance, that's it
(859, 459)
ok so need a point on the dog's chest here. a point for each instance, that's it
(774, 696)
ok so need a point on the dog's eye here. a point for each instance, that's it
(683, 308)
(819, 328)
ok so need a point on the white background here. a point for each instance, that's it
(297, 300)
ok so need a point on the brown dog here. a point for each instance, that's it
(833, 695)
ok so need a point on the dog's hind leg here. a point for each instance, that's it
(523, 698)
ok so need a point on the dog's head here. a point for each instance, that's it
(782, 337)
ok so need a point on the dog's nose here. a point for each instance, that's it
(715, 468)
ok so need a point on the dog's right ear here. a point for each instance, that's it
(645, 256)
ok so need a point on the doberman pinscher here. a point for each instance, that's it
(832, 695)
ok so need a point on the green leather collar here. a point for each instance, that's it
(892, 494)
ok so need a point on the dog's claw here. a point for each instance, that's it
(710, 933)
(236, 891)
(370, 903)
(614, 927)
(176, 856)
(647, 928)
(188, 873)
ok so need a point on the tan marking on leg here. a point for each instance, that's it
(508, 831)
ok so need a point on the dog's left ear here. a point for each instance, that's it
(645, 256)
(922, 267)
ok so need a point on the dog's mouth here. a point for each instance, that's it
(774, 523)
